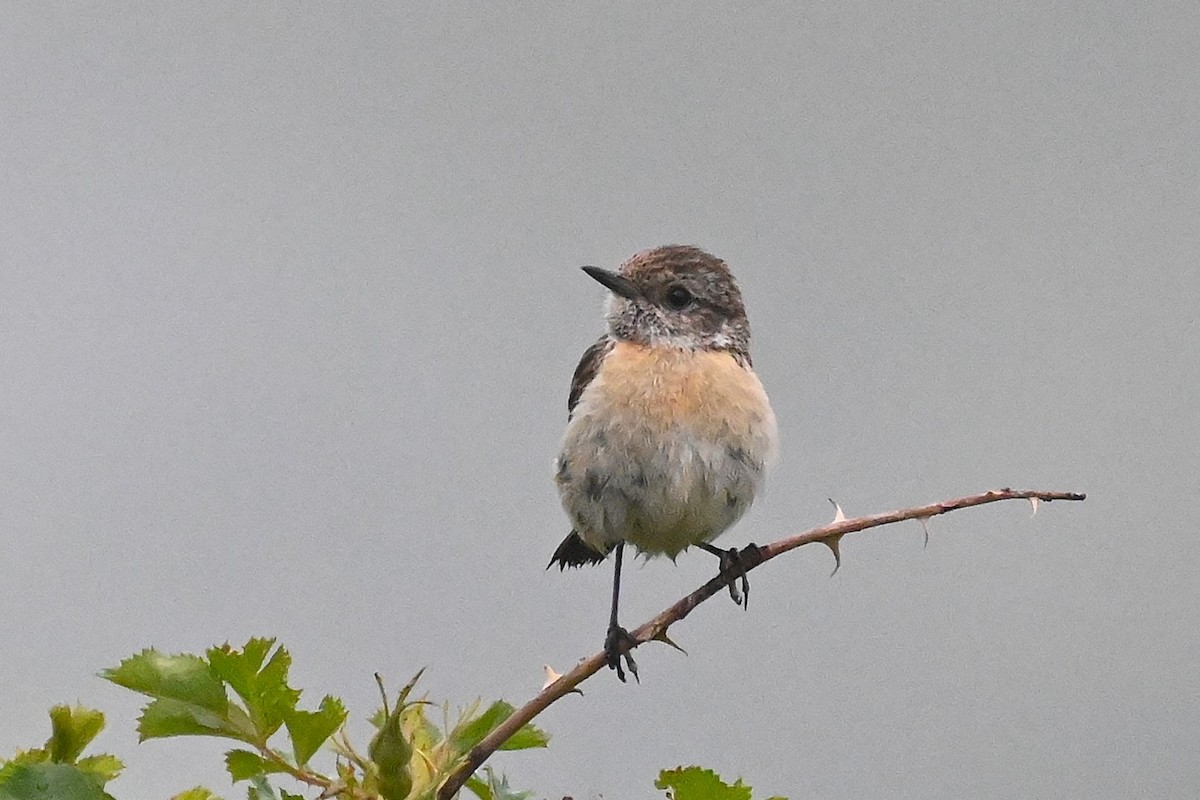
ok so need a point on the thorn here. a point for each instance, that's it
(834, 543)
(552, 676)
(925, 527)
(662, 637)
(1033, 501)
(838, 515)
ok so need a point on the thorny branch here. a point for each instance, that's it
(656, 629)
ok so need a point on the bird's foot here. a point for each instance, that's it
(617, 645)
(734, 565)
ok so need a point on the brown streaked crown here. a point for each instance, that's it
(678, 296)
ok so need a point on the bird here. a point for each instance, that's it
(669, 430)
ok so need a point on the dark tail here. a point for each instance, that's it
(575, 552)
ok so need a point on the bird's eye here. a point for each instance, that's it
(678, 298)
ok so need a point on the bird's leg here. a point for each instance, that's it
(618, 642)
(734, 564)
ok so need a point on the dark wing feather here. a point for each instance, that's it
(575, 552)
(589, 365)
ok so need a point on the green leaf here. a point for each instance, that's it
(470, 732)
(184, 677)
(169, 717)
(260, 789)
(34, 756)
(310, 729)
(239, 668)
(264, 688)
(480, 788)
(694, 783)
(196, 793)
(528, 736)
(50, 782)
(72, 729)
(499, 788)
(243, 765)
(103, 766)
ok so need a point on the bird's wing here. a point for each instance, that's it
(589, 365)
(573, 551)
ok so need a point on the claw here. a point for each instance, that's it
(731, 565)
(617, 645)
(733, 570)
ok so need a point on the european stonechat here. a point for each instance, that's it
(669, 430)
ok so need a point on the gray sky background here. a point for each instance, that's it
(289, 302)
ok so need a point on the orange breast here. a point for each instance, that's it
(666, 448)
(707, 391)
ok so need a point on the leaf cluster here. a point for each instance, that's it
(58, 770)
(244, 695)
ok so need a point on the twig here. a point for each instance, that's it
(751, 557)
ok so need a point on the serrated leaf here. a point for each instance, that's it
(286, 795)
(196, 793)
(103, 766)
(263, 687)
(22, 757)
(695, 783)
(499, 788)
(51, 782)
(182, 677)
(471, 729)
(470, 732)
(260, 789)
(310, 729)
(243, 765)
(72, 729)
(527, 737)
(481, 789)
(168, 717)
(238, 668)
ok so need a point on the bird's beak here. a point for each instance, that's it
(616, 283)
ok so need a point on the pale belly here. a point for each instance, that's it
(665, 449)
